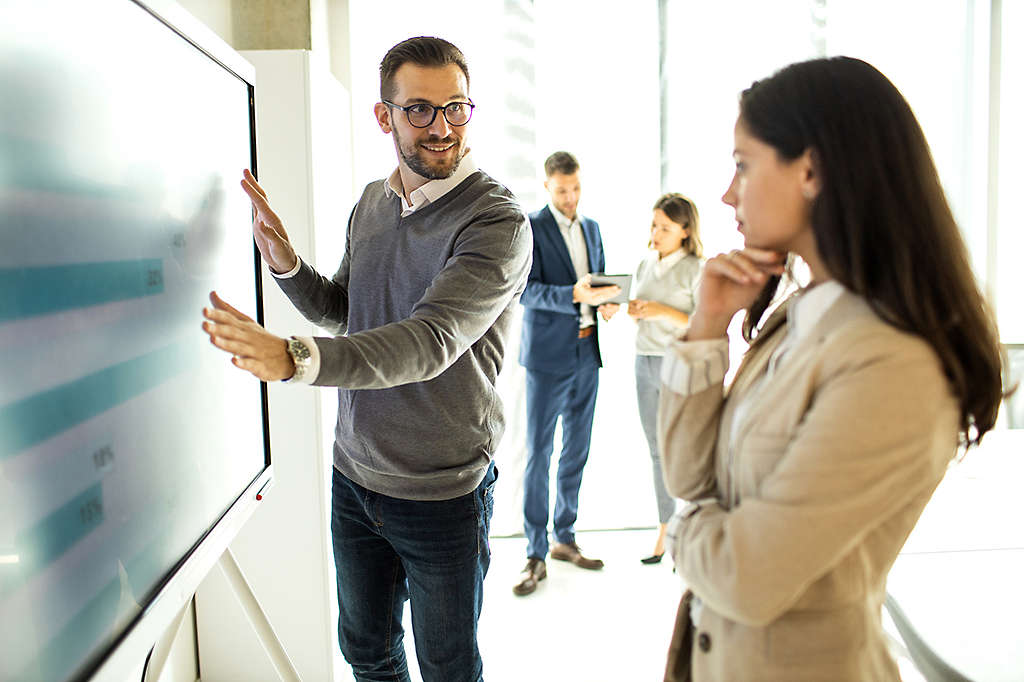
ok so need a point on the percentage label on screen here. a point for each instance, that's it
(154, 278)
(103, 458)
(90, 512)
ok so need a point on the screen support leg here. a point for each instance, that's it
(225, 603)
(162, 649)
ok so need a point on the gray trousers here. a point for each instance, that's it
(648, 390)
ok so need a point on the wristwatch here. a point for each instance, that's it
(301, 358)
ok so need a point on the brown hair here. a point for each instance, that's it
(681, 210)
(560, 162)
(881, 221)
(423, 51)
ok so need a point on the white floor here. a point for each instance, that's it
(614, 625)
(607, 625)
(958, 579)
(611, 625)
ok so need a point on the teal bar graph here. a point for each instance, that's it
(58, 532)
(30, 292)
(34, 419)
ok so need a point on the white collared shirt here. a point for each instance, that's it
(572, 233)
(664, 263)
(432, 190)
(801, 317)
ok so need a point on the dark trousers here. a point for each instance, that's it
(572, 395)
(435, 554)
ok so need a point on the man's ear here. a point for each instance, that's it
(383, 114)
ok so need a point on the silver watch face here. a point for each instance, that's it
(301, 358)
(299, 351)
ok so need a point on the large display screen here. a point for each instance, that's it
(124, 435)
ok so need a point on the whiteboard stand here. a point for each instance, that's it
(225, 603)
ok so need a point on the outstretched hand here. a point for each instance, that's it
(642, 309)
(252, 347)
(731, 282)
(267, 229)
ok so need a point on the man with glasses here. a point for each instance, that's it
(435, 258)
(560, 352)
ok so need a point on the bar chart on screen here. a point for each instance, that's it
(126, 439)
(72, 472)
(100, 350)
(101, 359)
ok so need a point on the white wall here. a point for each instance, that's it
(714, 51)
(216, 14)
(597, 93)
(1008, 243)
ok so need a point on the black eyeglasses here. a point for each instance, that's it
(421, 115)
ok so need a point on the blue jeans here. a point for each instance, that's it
(433, 553)
(571, 395)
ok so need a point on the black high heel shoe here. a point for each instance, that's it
(653, 559)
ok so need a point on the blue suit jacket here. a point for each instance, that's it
(551, 321)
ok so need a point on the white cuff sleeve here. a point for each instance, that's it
(290, 273)
(692, 366)
(314, 362)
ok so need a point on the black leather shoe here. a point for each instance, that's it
(653, 559)
(571, 553)
(534, 571)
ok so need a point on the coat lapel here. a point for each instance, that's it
(558, 242)
(767, 340)
(847, 307)
(590, 238)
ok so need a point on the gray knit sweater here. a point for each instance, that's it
(422, 307)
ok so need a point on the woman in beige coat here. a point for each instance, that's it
(807, 473)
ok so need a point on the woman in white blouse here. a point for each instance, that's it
(809, 470)
(665, 283)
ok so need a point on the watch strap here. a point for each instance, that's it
(301, 358)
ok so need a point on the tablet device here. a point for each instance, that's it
(623, 281)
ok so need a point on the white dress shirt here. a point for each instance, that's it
(572, 233)
(430, 191)
(663, 264)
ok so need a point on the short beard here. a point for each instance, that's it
(562, 210)
(421, 168)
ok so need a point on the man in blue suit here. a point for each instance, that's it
(561, 355)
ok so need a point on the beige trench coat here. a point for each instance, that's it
(816, 494)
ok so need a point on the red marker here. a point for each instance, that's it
(259, 495)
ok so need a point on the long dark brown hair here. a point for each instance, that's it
(881, 221)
